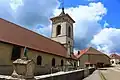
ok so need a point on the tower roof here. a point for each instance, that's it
(62, 15)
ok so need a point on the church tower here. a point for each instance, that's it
(62, 30)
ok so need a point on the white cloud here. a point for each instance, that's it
(45, 31)
(106, 25)
(28, 13)
(92, 0)
(5, 10)
(107, 40)
(15, 4)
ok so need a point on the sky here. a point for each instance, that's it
(97, 21)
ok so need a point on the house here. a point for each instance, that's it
(115, 59)
(90, 57)
(49, 54)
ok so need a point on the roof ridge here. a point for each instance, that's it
(31, 31)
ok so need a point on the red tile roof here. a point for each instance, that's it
(82, 52)
(115, 56)
(14, 34)
(89, 50)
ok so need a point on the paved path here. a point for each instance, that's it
(111, 73)
(94, 76)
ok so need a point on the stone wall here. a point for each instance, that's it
(70, 75)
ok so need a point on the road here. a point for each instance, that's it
(111, 73)
(94, 76)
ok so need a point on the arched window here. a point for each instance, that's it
(58, 30)
(69, 31)
(62, 62)
(53, 62)
(16, 52)
(39, 60)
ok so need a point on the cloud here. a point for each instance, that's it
(45, 31)
(91, 0)
(106, 25)
(107, 40)
(35, 12)
(28, 13)
(6, 11)
(87, 24)
(15, 4)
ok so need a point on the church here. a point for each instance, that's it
(48, 53)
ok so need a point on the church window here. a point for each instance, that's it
(58, 31)
(39, 60)
(69, 31)
(53, 62)
(62, 62)
(15, 52)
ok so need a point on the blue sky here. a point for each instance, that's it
(97, 21)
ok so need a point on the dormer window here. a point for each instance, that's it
(58, 30)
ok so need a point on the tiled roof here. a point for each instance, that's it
(115, 56)
(14, 34)
(89, 50)
(81, 52)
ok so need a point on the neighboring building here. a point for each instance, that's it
(47, 54)
(115, 59)
(92, 57)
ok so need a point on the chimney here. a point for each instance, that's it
(78, 52)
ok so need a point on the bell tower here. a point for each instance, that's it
(62, 30)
